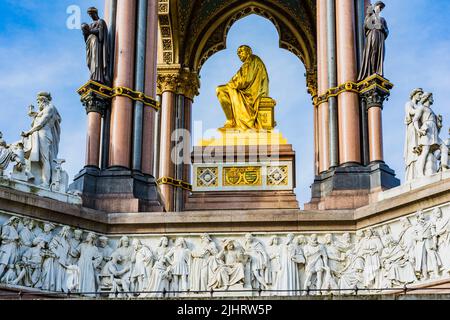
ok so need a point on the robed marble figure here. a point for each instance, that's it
(42, 140)
(377, 32)
(240, 98)
(97, 51)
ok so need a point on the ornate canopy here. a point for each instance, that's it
(193, 30)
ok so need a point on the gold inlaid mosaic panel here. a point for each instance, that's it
(242, 176)
(278, 176)
(208, 177)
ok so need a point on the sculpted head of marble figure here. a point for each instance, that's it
(228, 244)
(368, 233)
(13, 222)
(301, 240)
(77, 234)
(31, 224)
(65, 232)
(43, 99)
(427, 99)
(274, 241)
(405, 223)
(91, 237)
(249, 237)
(48, 227)
(206, 238)
(124, 242)
(420, 216)
(163, 242)
(103, 241)
(313, 240)
(328, 239)
(346, 237)
(25, 222)
(437, 213)
(136, 244)
(289, 238)
(181, 242)
(416, 94)
(386, 229)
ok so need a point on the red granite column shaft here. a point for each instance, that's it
(94, 126)
(348, 110)
(122, 107)
(375, 134)
(322, 75)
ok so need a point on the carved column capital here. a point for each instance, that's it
(375, 90)
(167, 82)
(94, 103)
(179, 81)
(95, 97)
(189, 84)
(311, 82)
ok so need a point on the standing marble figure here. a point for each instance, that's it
(376, 34)
(90, 259)
(412, 138)
(427, 125)
(42, 141)
(97, 51)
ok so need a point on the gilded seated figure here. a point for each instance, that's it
(245, 99)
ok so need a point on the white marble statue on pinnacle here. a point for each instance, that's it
(425, 153)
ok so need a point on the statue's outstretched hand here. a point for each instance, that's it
(423, 132)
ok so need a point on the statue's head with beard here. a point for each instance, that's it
(43, 100)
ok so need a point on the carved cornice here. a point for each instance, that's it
(93, 88)
(179, 81)
(365, 88)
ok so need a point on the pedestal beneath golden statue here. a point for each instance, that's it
(243, 170)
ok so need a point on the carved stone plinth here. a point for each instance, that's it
(350, 187)
(118, 190)
(243, 177)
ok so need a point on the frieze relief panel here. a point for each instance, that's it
(41, 255)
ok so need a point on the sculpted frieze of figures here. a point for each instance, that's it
(42, 255)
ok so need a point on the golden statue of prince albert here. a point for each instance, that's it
(241, 97)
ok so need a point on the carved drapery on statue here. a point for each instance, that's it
(241, 97)
(42, 141)
(376, 34)
(97, 51)
(425, 152)
(411, 138)
(35, 156)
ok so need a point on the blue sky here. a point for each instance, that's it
(38, 52)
